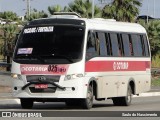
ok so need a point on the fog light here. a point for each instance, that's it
(68, 77)
(15, 88)
(15, 76)
(73, 88)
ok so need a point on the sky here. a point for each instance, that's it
(19, 6)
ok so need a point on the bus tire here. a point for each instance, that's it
(26, 103)
(87, 103)
(123, 101)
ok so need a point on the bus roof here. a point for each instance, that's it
(95, 24)
(112, 25)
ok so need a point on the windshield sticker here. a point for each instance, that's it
(25, 51)
(38, 29)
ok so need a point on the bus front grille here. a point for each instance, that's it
(47, 90)
(51, 78)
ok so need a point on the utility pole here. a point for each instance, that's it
(154, 8)
(92, 8)
(28, 8)
(147, 10)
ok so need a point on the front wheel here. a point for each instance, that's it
(26, 103)
(87, 103)
(124, 101)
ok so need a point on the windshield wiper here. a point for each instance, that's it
(69, 58)
(31, 56)
(40, 57)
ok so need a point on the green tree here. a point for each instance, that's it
(153, 31)
(122, 10)
(9, 15)
(37, 14)
(84, 8)
(57, 8)
(8, 36)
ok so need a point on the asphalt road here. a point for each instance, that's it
(138, 104)
(61, 111)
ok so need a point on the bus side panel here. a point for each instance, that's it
(139, 82)
(142, 83)
(109, 87)
(116, 84)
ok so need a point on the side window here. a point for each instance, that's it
(137, 45)
(126, 45)
(114, 44)
(102, 43)
(120, 45)
(108, 44)
(146, 47)
(131, 45)
(91, 46)
(143, 46)
(97, 43)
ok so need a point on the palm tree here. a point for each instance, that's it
(122, 10)
(37, 14)
(9, 34)
(56, 8)
(9, 15)
(84, 8)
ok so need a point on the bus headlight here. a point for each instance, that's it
(16, 76)
(73, 76)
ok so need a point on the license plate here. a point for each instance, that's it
(41, 86)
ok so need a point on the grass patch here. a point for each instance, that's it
(155, 82)
(156, 61)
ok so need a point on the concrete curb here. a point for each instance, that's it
(149, 94)
(5, 73)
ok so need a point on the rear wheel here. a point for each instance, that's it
(26, 103)
(124, 101)
(87, 103)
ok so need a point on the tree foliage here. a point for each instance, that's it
(153, 31)
(84, 8)
(8, 36)
(37, 14)
(57, 8)
(9, 15)
(122, 10)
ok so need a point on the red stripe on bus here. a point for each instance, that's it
(104, 66)
(43, 69)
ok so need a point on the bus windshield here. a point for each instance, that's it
(52, 44)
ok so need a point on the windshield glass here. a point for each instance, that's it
(50, 44)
